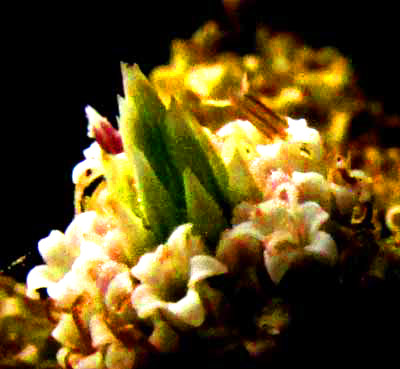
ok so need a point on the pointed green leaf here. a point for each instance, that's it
(189, 146)
(202, 210)
(141, 115)
(145, 109)
(159, 212)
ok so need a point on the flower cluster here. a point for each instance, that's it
(88, 277)
(208, 190)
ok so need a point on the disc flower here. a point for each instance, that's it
(171, 278)
(286, 227)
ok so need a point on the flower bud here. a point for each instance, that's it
(105, 134)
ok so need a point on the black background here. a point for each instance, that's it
(57, 59)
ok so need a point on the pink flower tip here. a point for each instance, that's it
(106, 135)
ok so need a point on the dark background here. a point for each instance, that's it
(57, 59)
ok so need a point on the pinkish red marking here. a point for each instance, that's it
(108, 138)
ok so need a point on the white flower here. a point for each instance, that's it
(89, 240)
(87, 275)
(169, 278)
(301, 151)
(299, 236)
(298, 187)
(285, 230)
(105, 350)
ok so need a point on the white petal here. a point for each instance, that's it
(313, 218)
(249, 228)
(270, 151)
(66, 290)
(243, 129)
(280, 253)
(90, 253)
(62, 356)
(93, 151)
(162, 268)
(118, 289)
(93, 118)
(79, 172)
(82, 227)
(276, 266)
(99, 331)
(184, 243)
(274, 215)
(170, 262)
(91, 361)
(188, 310)
(145, 269)
(323, 248)
(56, 252)
(145, 301)
(180, 236)
(299, 132)
(269, 159)
(66, 332)
(313, 186)
(40, 276)
(204, 266)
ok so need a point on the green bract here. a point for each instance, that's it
(160, 145)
